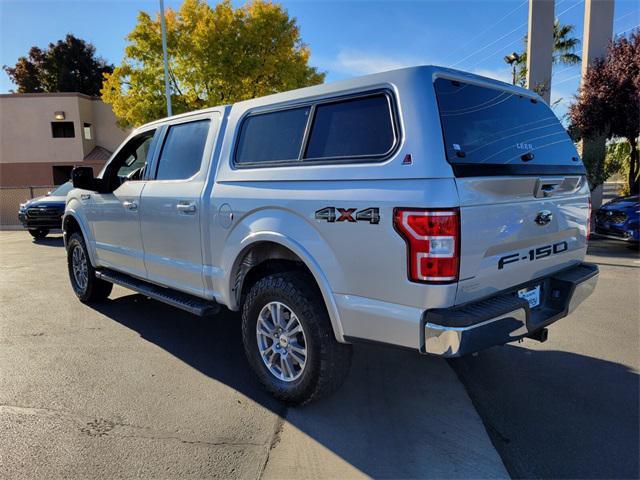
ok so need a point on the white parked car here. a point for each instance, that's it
(425, 207)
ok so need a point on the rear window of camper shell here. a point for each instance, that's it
(499, 131)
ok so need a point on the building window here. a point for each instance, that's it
(87, 131)
(61, 174)
(62, 130)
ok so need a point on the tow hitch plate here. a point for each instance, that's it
(531, 295)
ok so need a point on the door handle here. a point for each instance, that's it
(130, 205)
(547, 187)
(547, 190)
(186, 207)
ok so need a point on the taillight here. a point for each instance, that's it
(433, 243)
(589, 221)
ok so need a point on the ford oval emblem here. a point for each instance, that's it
(544, 217)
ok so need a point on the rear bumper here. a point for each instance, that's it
(504, 317)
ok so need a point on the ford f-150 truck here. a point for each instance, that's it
(425, 207)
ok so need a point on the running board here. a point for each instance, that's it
(175, 298)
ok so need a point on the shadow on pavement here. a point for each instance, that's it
(50, 241)
(550, 414)
(555, 414)
(398, 415)
(612, 249)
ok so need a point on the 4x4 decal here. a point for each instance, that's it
(333, 214)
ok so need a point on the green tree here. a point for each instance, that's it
(617, 161)
(608, 104)
(564, 46)
(69, 65)
(217, 56)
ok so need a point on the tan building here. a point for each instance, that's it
(44, 135)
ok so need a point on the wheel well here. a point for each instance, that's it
(70, 227)
(262, 259)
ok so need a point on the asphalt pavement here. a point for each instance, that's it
(568, 408)
(132, 388)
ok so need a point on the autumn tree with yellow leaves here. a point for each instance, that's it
(217, 56)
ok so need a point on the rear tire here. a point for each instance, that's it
(291, 376)
(39, 233)
(87, 287)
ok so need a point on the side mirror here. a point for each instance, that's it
(82, 177)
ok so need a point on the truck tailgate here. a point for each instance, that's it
(512, 233)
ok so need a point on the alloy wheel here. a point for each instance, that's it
(80, 267)
(281, 341)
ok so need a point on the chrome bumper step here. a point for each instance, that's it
(504, 317)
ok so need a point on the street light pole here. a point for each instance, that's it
(167, 90)
(512, 60)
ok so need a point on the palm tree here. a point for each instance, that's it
(563, 50)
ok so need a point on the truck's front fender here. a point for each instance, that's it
(75, 210)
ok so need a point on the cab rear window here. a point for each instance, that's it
(492, 131)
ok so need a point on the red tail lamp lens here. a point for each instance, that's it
(433, 242)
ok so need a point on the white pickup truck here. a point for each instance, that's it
(425, 207)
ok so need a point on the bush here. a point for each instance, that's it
(617, 161)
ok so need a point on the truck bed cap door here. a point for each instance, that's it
(524, 199)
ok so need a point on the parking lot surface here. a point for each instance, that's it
(134, 388)
(568, 408)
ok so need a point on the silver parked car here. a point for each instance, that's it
(425, 207)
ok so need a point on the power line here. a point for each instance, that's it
(625, 31)
(491, 26)
(577, 65)
(568, 79)
(569, 8)
(623, 16)
(568, 68)
(502, 48)
(488, 45)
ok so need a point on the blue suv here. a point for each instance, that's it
(620, 219)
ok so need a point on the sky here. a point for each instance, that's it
(346, 38)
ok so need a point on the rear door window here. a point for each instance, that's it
(182, 151)
(498, 130)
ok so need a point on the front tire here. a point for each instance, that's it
(289, 341)
(39, 233)
(87, 287)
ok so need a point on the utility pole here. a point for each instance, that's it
(167, 90)
(540, 47)
(598, 31)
